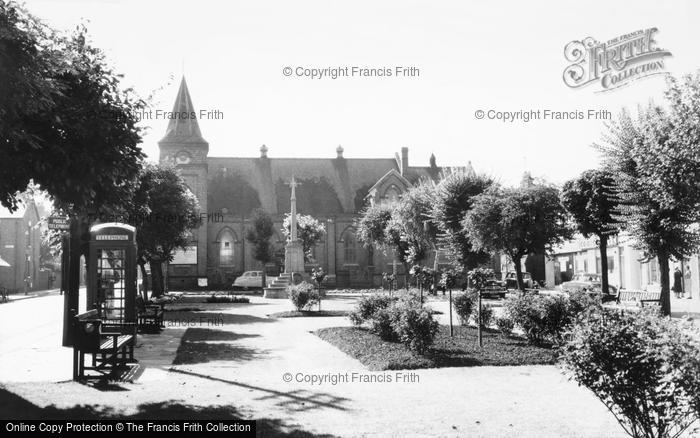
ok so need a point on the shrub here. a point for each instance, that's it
(227, 299)
(547, 318)
(486, 315)
(302, 295)
(505, 325)
(583, 304)
(381, 324)
(464, 304)
(368, 306)
(556, 316)
(397, 319)
(527, 312)
(644, 368)
(413, 325)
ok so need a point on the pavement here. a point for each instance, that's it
(234, 360)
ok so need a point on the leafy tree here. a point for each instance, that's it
(655, 158)
(453, 199)
(309, 230)
(259, 235)
(66, 123)
(164, 212)
(592, 204)
(517, 222)
(379, 227)
(412, 214)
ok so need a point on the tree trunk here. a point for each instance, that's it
(71, 300)
(144, 281)
(407, 276)
(157, 278)
(604, 263)
(519, 273)
(665, 283)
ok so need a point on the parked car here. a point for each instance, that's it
(249, 280)
(528, 282)
(494, 287)
(589, 283)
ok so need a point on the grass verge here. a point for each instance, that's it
(308, 313)
(461, 350)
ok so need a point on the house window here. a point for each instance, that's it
(226, 249)
(350, 248)
(653, 271)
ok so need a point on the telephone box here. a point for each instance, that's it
(112, 275)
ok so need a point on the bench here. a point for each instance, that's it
(109, 343)
(150, 316)
(640, 297)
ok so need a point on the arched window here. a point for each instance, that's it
(350, 247)
(392, 194)
(226, 242)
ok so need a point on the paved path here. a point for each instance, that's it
(242, 364)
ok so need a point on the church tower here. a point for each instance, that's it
(184, 146)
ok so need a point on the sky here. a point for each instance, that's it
(470, 56)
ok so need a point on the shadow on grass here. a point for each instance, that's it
(296, 400)
(201, 345)
(189, 318)
(15, 407)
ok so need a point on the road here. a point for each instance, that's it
(30, 345)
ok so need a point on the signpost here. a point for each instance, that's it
(59, 223)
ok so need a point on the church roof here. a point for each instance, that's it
(348, 179)
(183, 126)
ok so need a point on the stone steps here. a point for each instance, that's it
(277, 289)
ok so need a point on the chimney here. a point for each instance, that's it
(339, 151)
(404, 160)
(263, 151)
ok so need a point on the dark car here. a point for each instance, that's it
(494, 287)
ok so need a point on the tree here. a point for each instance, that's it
(64, 120)
(412, 214)
(309, 230)
(655, 158)
(592, 204)
(66, 123)
(453, 199)
(517, 222)
(259, 235)
(379, 226)
(164, 212)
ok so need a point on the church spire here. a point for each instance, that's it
(183, 125)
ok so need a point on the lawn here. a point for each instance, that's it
(308, 313)
(461, 350)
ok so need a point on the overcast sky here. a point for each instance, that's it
(486, 55)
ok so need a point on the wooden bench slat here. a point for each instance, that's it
(108, 344)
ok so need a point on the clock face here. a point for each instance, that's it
(182, 157)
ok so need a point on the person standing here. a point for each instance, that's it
(688, 282)
(677, 282)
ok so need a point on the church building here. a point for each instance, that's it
(332, 190)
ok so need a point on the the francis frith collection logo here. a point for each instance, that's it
(616, 62)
